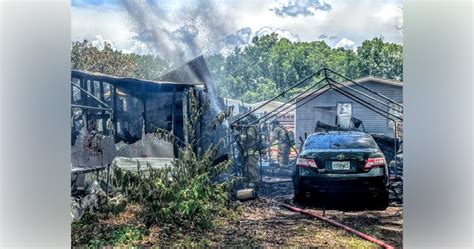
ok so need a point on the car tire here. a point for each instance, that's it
(299, 197)
(381, 202)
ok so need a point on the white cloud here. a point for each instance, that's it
(356, 20)
(353, 20)
(345, 43)
(138, 47)
(282, 33)
(301, 7)
(99, 41)
(87, 22)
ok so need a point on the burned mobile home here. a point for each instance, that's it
(116, 118)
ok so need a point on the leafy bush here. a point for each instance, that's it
(186, 193)
(89, 232)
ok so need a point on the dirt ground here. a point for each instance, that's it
(385, 225)
(268, 225)
(264, 224)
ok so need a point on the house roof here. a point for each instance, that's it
(377, 79)
(131, 86)
(194, 72)
(271, 104)
(112, 79)
(235, 102)
(391, 82)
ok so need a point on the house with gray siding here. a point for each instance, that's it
(333, 108)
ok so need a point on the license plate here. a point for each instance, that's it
(341, 165)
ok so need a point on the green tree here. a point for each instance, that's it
(270, 64)
(85, 56)
(148, 67)
(381, 59)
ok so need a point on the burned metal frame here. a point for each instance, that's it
(357, 91)
(139, 89)
(296, 106)
(336, 86)
(360, 101)
(333, 84)
(364, 87)
(279, 95)
(293, 108)
(106, 108)
(299, 95)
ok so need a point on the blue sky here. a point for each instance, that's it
(343, 23)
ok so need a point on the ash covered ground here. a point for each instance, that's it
(302, 230)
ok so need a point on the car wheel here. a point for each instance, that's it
(299, 197)
(381, 202)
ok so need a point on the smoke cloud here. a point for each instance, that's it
(301, 7)
(182, 33)
(240, 38)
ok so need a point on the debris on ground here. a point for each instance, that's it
(91, 201)
(253, 223)
(260, 223)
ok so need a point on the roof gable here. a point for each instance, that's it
(368, 79)
(375, 79)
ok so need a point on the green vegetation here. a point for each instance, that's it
(258, 71)
(84, 56)
(185, 201)
(253, 73)
(91, 232)
(185, 195)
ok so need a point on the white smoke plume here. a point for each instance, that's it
(182, 33)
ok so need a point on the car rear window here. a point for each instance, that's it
(339, 141)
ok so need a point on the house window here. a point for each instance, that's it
(343, 114)
(395, 110)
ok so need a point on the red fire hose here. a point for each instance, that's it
(320, 217)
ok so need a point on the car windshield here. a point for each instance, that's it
(339, 141)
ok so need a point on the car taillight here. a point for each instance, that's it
(375, 162)
(306, 162)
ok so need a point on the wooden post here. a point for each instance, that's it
(83, 94)
(173, 110)
(87, 101)
(144, 116)
(92, 84)
(185, 114)
(72, 94)
(102, 97)
(101, 89)
(115, 114)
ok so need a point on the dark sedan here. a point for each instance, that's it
(344, 165)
